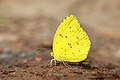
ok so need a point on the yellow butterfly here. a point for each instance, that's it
(71, 43)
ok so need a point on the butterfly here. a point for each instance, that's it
(71, 43)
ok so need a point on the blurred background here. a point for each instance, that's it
(28, 25)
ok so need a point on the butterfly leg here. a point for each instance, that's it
(52, 62)
(66, 65)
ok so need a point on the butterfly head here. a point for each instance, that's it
(52, 54)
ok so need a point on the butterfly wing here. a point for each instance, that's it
(71, 43)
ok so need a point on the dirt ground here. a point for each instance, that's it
(30, 25)
(27, 66)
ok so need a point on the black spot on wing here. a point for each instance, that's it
(66, 36)
(77, 37)
(77, 43)
(61, 35)
(70, 45)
